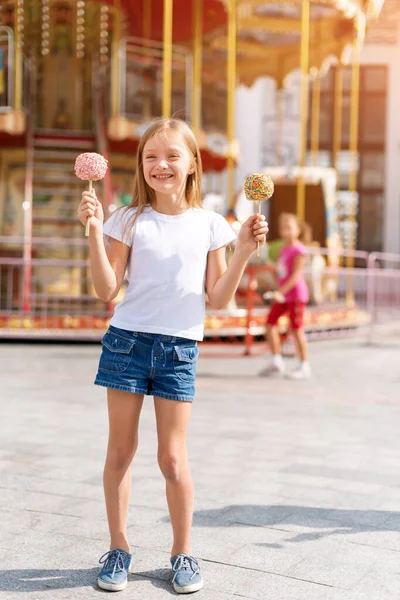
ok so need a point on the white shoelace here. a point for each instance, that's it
(186, 562)
(113, 559)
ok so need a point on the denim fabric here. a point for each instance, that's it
(148, 363)
(115, 570)
(186, 576)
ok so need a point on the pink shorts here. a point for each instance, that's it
(294, 310)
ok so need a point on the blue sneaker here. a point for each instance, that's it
(114, 572)
(186, 574)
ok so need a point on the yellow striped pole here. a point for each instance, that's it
(304, 65)
(167, 59)
(231, 74)
(315, 117)
(18, 64)
(197, 64)
(337, 117)
(147, 6)
(115, 59)
(353, 148)
(279, 126)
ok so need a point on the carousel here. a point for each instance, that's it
(90, 76)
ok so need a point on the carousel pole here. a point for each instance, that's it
(116, 61)
(353, 148)
(316, 108)
(279, 126)
(337, 117)
(167, 59)
(17, 63)
(231, 81)
(27, 204)
(315, 116)
(337, 134)
(147, 37)
(197, 64)
(304, 63)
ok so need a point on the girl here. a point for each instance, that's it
(173, 251)
(291, 298)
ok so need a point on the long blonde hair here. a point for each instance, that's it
(143, 194)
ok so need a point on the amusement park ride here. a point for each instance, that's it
(79, 76)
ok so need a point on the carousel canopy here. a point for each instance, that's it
(269, 37)
(136, 11)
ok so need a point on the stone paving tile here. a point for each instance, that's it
(359, 518)
(249, 514)
(383, 583)
(277, 587)
(17, 521)
(68, 489)
(374, 479)
(54, 504)
(40, 567)
(334, 564)
(388, 540)
(353, 500)
(15, 468)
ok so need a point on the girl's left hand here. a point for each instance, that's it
(277, 296)
(253, 230)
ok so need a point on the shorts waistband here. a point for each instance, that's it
(170, 339)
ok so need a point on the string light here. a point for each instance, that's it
(45, 27)
(104, 16)
(80, 28)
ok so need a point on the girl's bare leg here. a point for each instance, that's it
(301, 344)
(172, 422)
(123, 413)
(274, 339)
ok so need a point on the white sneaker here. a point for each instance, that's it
(272, 369)
(302, 372)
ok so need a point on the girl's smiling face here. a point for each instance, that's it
(289, 230)
(167, 162)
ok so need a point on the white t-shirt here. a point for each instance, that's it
(166, 269)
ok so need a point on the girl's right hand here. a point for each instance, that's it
(90, 207)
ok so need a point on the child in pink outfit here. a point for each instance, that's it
(290, 298)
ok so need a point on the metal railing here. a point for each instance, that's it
(383, 290)
(61, 295)
(28, 194)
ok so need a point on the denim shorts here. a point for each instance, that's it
(148, 363)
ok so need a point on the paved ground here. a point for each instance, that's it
(297, 482)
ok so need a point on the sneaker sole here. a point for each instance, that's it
(187, 589)
(272, 374)
(112, 587)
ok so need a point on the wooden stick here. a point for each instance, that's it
(258, 243)
(87, 228)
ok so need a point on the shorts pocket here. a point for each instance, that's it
(185, 362)
(117, 353)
